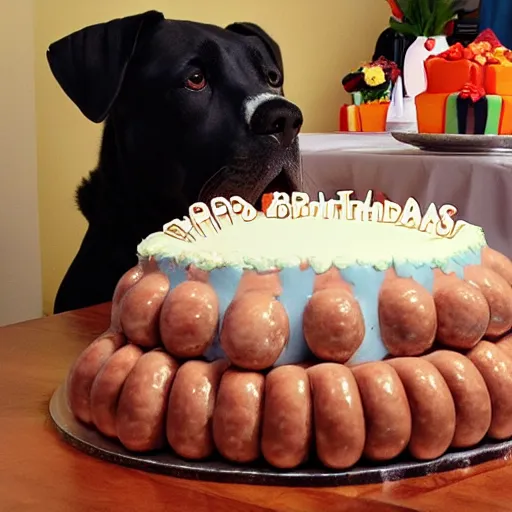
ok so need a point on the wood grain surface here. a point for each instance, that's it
(39, 472)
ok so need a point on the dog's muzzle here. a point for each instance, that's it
(270, 114)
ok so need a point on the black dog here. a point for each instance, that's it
(192, 112)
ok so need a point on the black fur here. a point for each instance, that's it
(165, 146)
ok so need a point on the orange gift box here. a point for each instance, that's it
(444, 76)
(373, 116)
(498, 80)
(430, 110)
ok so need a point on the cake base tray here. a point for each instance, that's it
(453, 143)
(91, 442)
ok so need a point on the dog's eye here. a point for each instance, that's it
(274, 79)
(196, 82)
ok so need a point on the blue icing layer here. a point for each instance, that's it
(225, 282)
(175, 273)
(422, 274)
(366, 283)
(297, 287)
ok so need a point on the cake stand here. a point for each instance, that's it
(215, 470)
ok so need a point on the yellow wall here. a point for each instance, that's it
(320, 41)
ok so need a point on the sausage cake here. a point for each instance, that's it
(331, 331)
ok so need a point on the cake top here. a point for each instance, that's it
(485, 50)
(295, 230)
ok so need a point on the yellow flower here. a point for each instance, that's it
(374, 76)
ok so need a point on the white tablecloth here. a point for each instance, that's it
(480, 186)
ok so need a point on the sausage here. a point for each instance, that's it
(189, 319)
(191, 406)
(330, 279)
(505, 344)
(287, 417)
(129, 279)
(254, 331)
(432, 407)
(498, 263)
(107, 386)
(197, 274)
(252, 280)
(338, 415)
(142, 407)
(498, 294)
(470, 394)
(333, 324)
(407, 316)
(496, 369)
(140, 310)
(386, 410)
(462, 311)
(237, 416)
(84, 371)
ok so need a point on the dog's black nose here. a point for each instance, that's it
(277, 117)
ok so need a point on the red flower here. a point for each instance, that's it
(449, 28)
(472, 92)
(488, 36)
(395, 10)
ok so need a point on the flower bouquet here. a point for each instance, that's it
(374, 82)
(430, 22)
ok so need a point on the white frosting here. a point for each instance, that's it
(267, 243)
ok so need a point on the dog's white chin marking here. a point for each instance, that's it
(253, 102)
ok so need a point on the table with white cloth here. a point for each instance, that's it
(479, 185)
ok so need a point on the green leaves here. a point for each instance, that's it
(423, 17)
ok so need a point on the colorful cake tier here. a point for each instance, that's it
(336, 330)
(469, 90)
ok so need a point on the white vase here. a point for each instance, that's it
(415, 79)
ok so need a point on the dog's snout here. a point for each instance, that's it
(277, 117)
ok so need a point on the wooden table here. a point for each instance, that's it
(40, 472)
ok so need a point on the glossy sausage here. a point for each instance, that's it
(142, 407)
(470, 395)
(287, 417)
(338, 415)
(238, 414)
(140, 309)
(107, 385)
(496, 369)
(129, 279)
(407, 316)
(254, 331)
(191, 405)
(497, 262)
(386, 410)
(498, 294)
(85, 370)
(462, 311)
(432, 407)
(189, 319)
(333, 324)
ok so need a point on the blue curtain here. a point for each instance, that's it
(497, 15)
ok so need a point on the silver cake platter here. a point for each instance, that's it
(215, 470)
(448, 143)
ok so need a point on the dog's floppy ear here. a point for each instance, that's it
(90, 64)
(251, 29)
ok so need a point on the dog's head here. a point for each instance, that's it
(195, 110)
